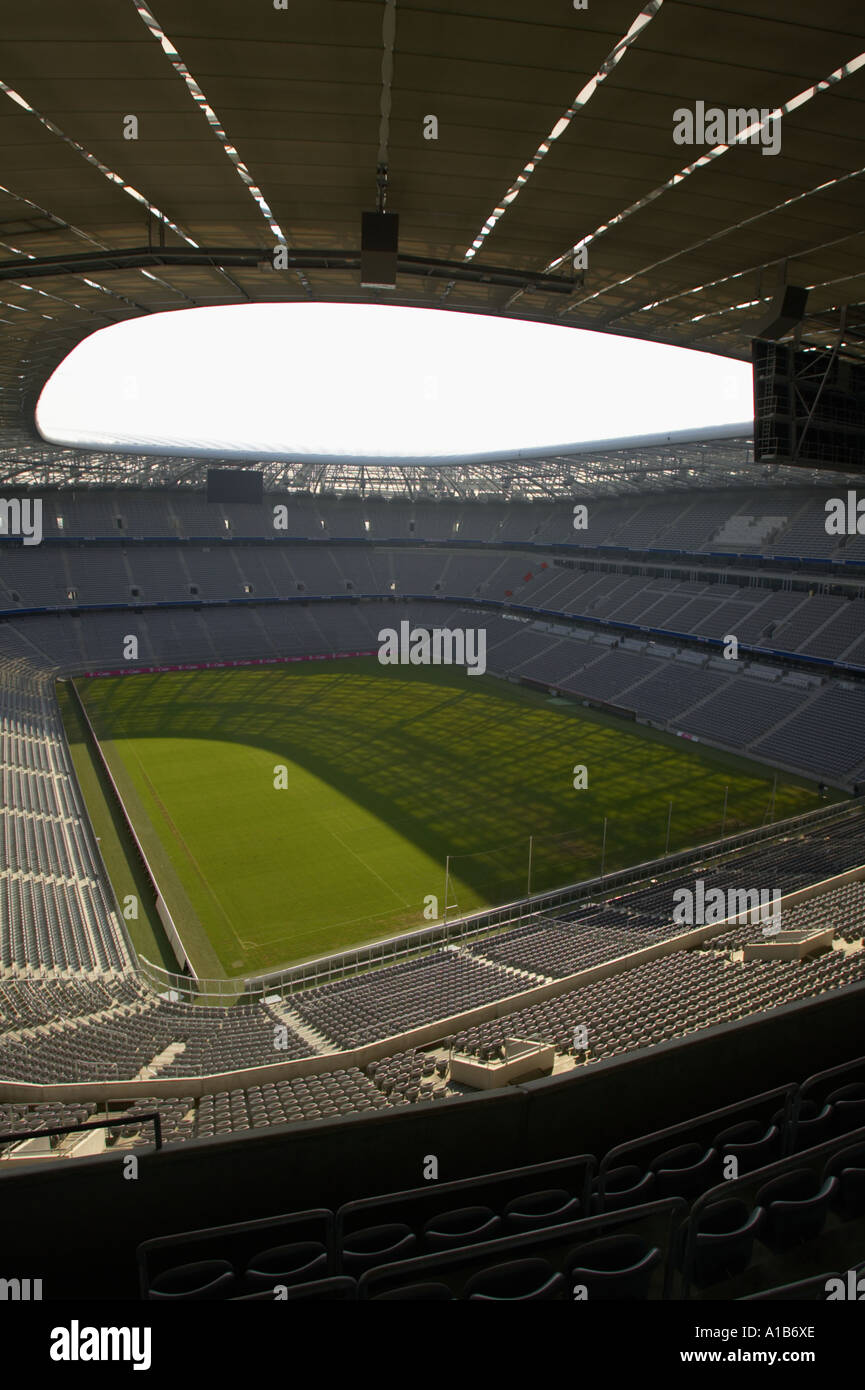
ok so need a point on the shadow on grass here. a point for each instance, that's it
(456, 774)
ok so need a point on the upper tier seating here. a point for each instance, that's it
(772, 521)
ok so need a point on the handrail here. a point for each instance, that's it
(151, 1117)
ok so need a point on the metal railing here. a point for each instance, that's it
(150, 1117)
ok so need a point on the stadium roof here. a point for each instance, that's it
(260, 127)
(653, 464)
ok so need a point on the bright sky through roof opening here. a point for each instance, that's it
(375, 382)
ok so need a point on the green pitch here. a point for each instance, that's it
(293, 811)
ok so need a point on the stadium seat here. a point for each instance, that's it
(377, 1245)
(813, 1124)
(627, 1186)
(723, 1239)
(426, 1293)
(537, 1209)
(848, 1107)
(848, 1167)
(614, 1267)
(205, 1279)
(465, 1226)
(287, 1264)
(796, 1206)
(685, 1171)
(752, 1144)
(529, 1280)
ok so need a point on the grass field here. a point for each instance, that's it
(388, 770)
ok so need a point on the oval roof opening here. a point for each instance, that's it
(327, 381)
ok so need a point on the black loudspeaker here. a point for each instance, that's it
(783, 314)
(379, 240)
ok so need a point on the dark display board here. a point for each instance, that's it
(234, 485)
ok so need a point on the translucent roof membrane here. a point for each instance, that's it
(336, 381)
(716, 152)
(583, 97)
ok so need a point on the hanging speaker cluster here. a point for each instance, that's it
(785, 313)
(379, 242)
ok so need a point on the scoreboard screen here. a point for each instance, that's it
(235, 485)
